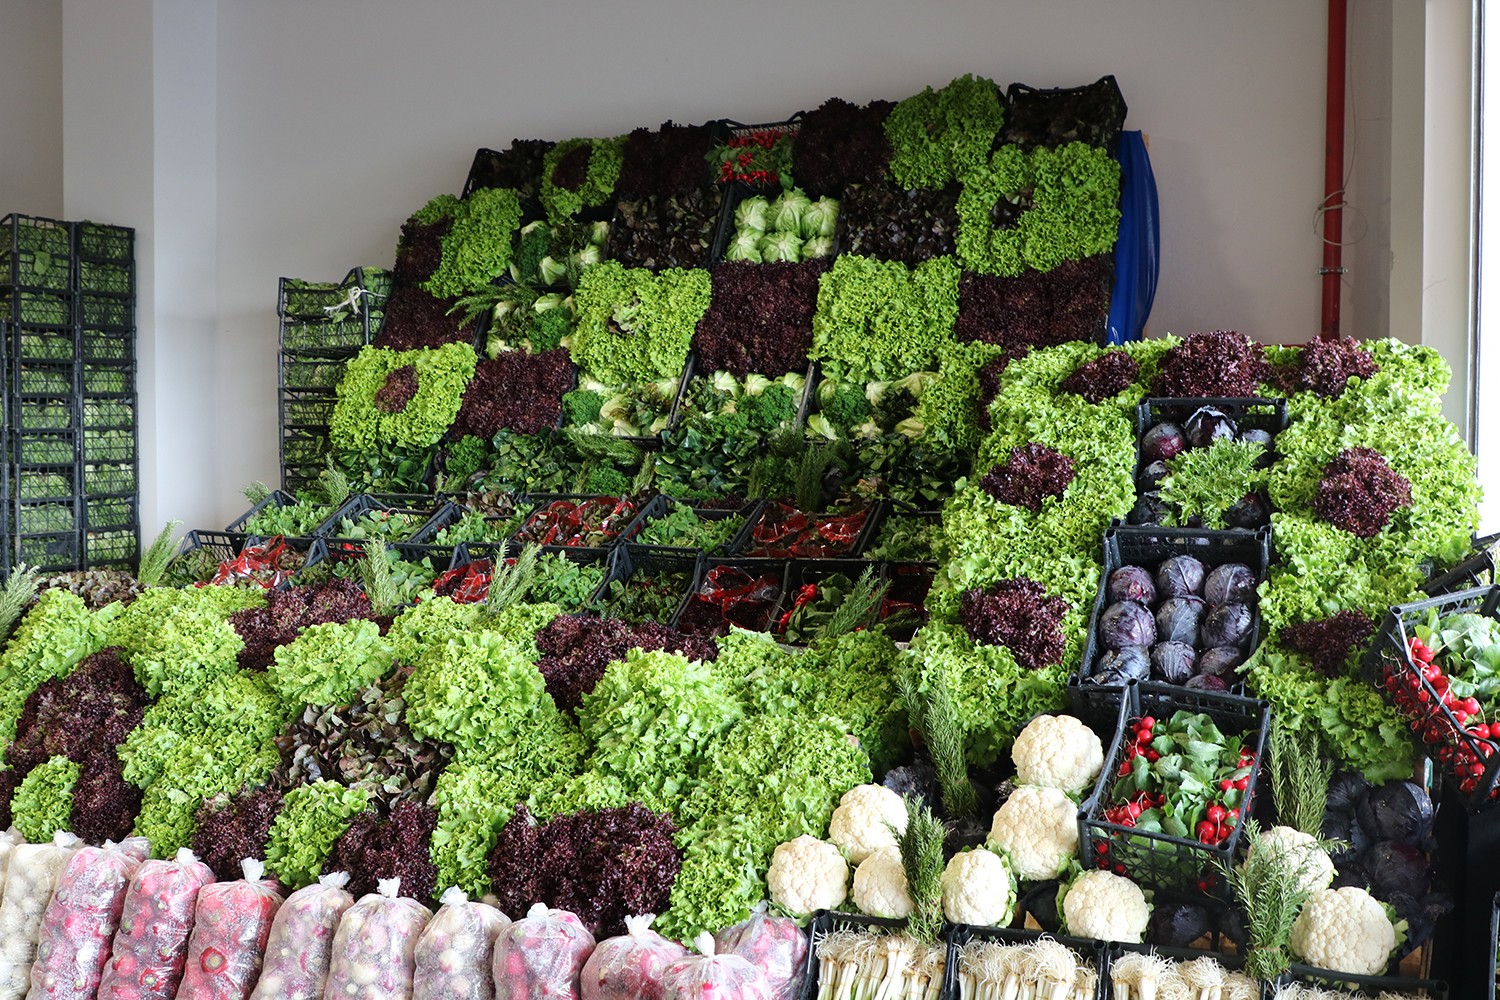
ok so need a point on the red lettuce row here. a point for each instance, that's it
(576, 649)
(516, 392)
(231, 828)
(1037, 309)
(376, 847)
(414, 318)
(1020, 615)
(669, 161)
(759, 319)
(1221, 363)
(841, 143)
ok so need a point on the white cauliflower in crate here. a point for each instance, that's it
(880, 885)
(1301, 853)
(1107, 907)
(1057, 751)
(978, 888)
(807, 874)
(868, 818)
(1038, 829)
(1345, 930)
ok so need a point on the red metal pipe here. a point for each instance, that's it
(1332, 270)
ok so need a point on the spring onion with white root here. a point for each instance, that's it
(1297, 991)
(1043, 970)
(873, 965)
(1149, 976)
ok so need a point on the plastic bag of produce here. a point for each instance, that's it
(82, 918)
(301, 942)
(150, 948)
(632, 965)
(374, 951)
(774, 945)
(229, 936)
(28, 889)
(453, 956)
(710, 975)
(541, 956)
(8, 841)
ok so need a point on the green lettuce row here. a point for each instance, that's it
(635, 327)
(477, 249)
(442, 373)
(940, 136)
(43, 803)
(880, 320)
(55, 636)
(312, 818)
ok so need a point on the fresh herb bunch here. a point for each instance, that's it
(647, 600)
(684, 527)
(1271, 887)
(1300, 775)
(635, 326)
(907, 538)
(294, 520)
(921, 846)
(384, 525)
(941, 136)
(579, 174)
(477, 526)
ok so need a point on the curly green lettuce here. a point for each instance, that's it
(181, 640)
(43, 803)
(360, 424)
(55, 636)
(477, 249)
(312, 817)
(634, 326)
(880, 320)
(477, 691)
(605, 158)
(940, 136)
(329, 664)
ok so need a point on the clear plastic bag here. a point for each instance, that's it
(229, 936)
(8, 842)
(541, 956)
(632, 966)
(710, 975)
(73, 944)
(150, 948)
(776, 946)
(453, 957)
(28, 889)
(301, 942)
(374, 951)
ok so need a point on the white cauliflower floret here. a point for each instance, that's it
(807, 874)
(1038, 828)
(1301, 852)
(1107, 907)
(862, 824)
(1344, 930)
(977, 889)
(1057, 751)
(880, 885)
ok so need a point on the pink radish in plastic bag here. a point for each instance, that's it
(301, 943)
(150, 948)
(229, 936)
(776, 946)
(630, 967)
(541, 956)
(709, 976)
(374, 951)
(29, 884)
(454, 954)
(82, 918)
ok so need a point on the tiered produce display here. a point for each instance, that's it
(734, 617)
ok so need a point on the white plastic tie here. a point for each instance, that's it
(705, 944)
(334, 880)
(453, 896)
(252, 869)
(389, 887)
(537, 911)
(185, 856)
(639, 925)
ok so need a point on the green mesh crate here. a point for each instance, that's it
(45, 518)
(36, 253)
(109, 447)
(45, 415)
(101, 310)
(37, 484)
(323, 336)
(43, 309)
(45, 345)
(108, 243)
(101, 413)
(98, 380)
(109, 478)
(110, 547)
(108, 345)
(46, 381)
(97, 276)
(110, 513)
(43, 450)
(48, 551)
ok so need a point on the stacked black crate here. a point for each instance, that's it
(109, 462)
(38, 279)
(323, 325)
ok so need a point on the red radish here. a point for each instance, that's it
(455, 952)
(542, 954)
(630, 966)
(81, 919)
(230, 929)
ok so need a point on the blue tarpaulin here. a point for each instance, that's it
(1137, 250)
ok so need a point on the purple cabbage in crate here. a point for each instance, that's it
(1149, 509)
(1207, 425)
(1397, 868)
(1117, 666)
(1229, 583)
(1177, 619)
(1226, 625)
(1396, 810)
(1151, 477)
(1220, 661)
(1126, 623)
(1172, 662)
(1255, 435)
(1251, 511)
(1180, 576)
(1132, 583)
(1206, 682)
(1162, 442)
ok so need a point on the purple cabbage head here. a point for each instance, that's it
(1229, 583)
(1206, 682)
(1172, 662)
(1162, 442)
(1254, 435)
(1220, 661)
(1126, 623)
(1117, 666)
(1180, 576)
(1250, 511)
(1207, 425)
(1132, 583)
(1226, 625)
(1149, 509)
(1177, 619)
(1151, 477)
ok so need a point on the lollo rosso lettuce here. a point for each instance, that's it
(55, 636)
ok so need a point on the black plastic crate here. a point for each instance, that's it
(108, 379)
(116, 548)
(44, 447)
(98, 345)
(473, 552)
(894, 514)
(1149, 546)
(116, 446)
(46, 517)
(98, 277)
(306, 410)
(226, 546)
(1471, 764)
(804, 573)
(50, 379)
(46, 483)
(333, 319)
(39, 308)
(44, 413)
(960, 935)
(748, 546)
(36, 253)
(541, 503)
(1478, 570)
(1050, 117)
(756, 586)
(1369, 986)
(1248, 413)
(47, 552)
(277, 498)
(317, 373)
(109, 413)
(98, 241)
(306, 449)
(1159, 860)
(669, 505)
(826, 921)
(110, 513)
(106, 478)
(112, 312)
(46, 344)
(632, 564)
(418, 512)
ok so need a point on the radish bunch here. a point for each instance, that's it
(230, 929)
(774, 945)
(709, 975)
(150, 948)
(300, 946)
(454, 953)
(632, 966)
(73, 944)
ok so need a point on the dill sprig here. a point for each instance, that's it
(379, 587)
(510, 581)
(856, 607)
(17, 595)
(153, 564)
(1299, 778)
(921, 847)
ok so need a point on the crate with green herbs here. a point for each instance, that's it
(40, 343)
(907, 535)
(827, 596)
(311, 373)
(305, 449)
(40, 308)
(48, 552)
(571, 579)
(107, 346)
(106, 413)
(307, 410)
(99, 276)
(365, 517)
(105, 380)
(480, 527)
(648, 583)
(100, 547)
(705, 526)
(336, 318)
(100, 242)
(43, 379)
(36, 253)
(282, 514)
(408, 581)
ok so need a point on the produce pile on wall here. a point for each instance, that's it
(582, 731)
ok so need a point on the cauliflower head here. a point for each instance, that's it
(978, 888)
(880, 885)
(863, 821)
(1057, 751)
(1346, 930)
(1107, 907)
(807, 874)
(1038, 829)
(1301, 852)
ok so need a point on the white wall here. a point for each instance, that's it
(31, 101)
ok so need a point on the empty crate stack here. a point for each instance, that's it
(323, 325)
(71, 490)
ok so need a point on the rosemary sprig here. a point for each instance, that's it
(257, 493)
(922, 859)
(1300, 774)
(379, 586)
(509, 582)
(854, 612)
(154, 561)
(1271, 887)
